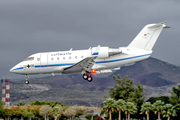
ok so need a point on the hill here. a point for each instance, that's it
(157, 76)
(152, 72)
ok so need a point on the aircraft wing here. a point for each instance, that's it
(85, 64)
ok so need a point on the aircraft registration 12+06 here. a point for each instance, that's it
(94, 60)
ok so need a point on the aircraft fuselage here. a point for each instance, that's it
(55, 62)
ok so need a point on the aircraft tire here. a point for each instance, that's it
(89, 79)
(85, 77)
(27, 82)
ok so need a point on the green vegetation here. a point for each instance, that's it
(132, 101)
(158, 107)
(169, 110)
(175, 95)
(109, 106)
(146, 107)
(52, 104)
(130, 108)
(1, 107)
(165, 99)
(175, 99)
(125, 99)
(89, 117)
(120, 106)
(42, 111)
(126, 90)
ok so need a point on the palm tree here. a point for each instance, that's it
(146, 107)
(158, 106)
(57, 111)
(28, 115)
(120, 106)
(45, 111)
(109, 106)
(169, 111)
(130, 108)
(70, 112)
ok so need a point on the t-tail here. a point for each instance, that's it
(148, 36)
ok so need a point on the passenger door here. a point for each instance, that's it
(37, 58)
(44, 60)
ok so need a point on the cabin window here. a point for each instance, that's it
(52, 59)
(69, 57)
(63, 58)
(75, 57)
(82, 57)
(29, 59)
(58, 58)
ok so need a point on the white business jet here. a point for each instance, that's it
(94, 60)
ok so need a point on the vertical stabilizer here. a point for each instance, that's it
(147, 36)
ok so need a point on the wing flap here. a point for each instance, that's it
(85, 64)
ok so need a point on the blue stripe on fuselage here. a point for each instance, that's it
(122, 59)
(17, 68)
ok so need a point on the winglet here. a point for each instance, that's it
(96, 52)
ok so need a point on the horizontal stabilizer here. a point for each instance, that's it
(162, 24)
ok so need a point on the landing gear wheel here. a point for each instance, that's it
(27, 82)
(85, 77)
(89, 79)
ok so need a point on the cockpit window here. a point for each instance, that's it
(29, 59)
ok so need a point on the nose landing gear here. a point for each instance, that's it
(87, 76)
(27, 81)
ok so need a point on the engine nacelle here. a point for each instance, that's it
(105, 52)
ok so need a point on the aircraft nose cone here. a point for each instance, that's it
(14, 69)
(11, 70)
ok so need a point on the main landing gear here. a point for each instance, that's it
(27, 81)
(87, 76)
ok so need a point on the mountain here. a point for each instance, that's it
(152, 72)
(157, 77)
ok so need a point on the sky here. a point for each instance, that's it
(32, 26)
